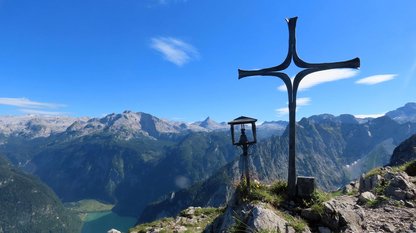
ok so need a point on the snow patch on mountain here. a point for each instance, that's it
(34, 126)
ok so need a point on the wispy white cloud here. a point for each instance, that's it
(303, 101)
(322, 77)
(174, 50)
(282, 111)
(41, 112)
(33, 107)
(26, 103)
(299, 102)
(369, 115)
(376, 79)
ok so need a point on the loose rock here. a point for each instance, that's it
(265, 219)
(365, 197)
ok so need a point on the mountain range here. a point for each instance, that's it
(335, 150)
(127, 125)
(133, 159)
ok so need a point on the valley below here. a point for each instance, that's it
(98, 217)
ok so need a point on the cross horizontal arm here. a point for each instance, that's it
(353, 63)
(248, 73)
(262, 72)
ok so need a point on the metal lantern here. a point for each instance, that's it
(244, 139)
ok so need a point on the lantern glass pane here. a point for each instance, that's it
(248, 131)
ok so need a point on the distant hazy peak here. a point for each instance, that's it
(34, 126)
(407, 113)
(210, 124)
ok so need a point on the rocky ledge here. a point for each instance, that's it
(383, 200)
(192, 219)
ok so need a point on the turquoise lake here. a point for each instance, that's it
(101, 222)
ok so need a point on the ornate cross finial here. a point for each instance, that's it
(292, 89)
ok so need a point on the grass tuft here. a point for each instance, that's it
(377, 202)
(409, 168)
(297, 223)
(273, 194)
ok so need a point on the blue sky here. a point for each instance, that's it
(178, 59)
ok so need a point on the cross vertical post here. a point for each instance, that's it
(292, 89)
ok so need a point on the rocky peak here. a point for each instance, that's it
(207, 122)
(407, 113)
(127, 125)
(322, 118)
(405, 152)
(348, 119)
(123, 121)
(211, 125)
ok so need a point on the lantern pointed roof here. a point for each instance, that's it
(242, 120)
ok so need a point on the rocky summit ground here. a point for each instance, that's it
(383, 200)
(192, 219)
(390, 218)
(343, 214)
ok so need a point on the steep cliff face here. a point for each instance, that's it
(28, 205)
(405, 152)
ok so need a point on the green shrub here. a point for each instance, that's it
(297, 223)
(376, 202)
(273, 194)
(318, 197)
(279, 187)
(316, 202)
(410, 168)
(381, 188)
(374, 171)
(318, 209)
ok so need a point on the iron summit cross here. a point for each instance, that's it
(292, 90)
